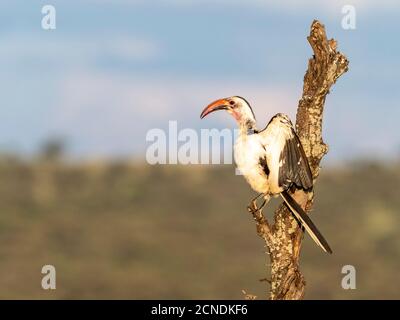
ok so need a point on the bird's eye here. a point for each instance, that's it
(231, 102)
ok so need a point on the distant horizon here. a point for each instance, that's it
(139, 159)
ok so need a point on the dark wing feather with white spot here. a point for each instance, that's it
(295, 168)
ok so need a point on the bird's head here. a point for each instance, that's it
(237, 106)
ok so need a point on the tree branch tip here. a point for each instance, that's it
(249, 296)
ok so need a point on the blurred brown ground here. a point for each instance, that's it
(131, 231)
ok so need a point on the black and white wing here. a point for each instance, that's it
(294, 167)
(296, 170)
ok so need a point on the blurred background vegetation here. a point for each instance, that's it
(133, 231)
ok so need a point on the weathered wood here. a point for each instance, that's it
(283, 238)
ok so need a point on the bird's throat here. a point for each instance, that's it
(247, 127)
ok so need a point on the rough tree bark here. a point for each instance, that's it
(283, 238)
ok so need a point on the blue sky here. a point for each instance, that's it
(112, 70)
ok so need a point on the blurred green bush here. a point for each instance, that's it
(133, 231)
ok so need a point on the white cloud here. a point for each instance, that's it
(16, 47)
(165, 98)
(109, 113)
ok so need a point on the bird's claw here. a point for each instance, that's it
(252, 207)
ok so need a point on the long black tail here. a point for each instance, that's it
(306, 221)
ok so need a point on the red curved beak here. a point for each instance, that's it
(220, 104)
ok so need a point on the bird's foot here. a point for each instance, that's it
(252, 207)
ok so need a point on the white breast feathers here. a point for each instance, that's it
(247, 151)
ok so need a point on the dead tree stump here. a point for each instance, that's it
(283, 238)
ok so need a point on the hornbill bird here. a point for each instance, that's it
(271, 160)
